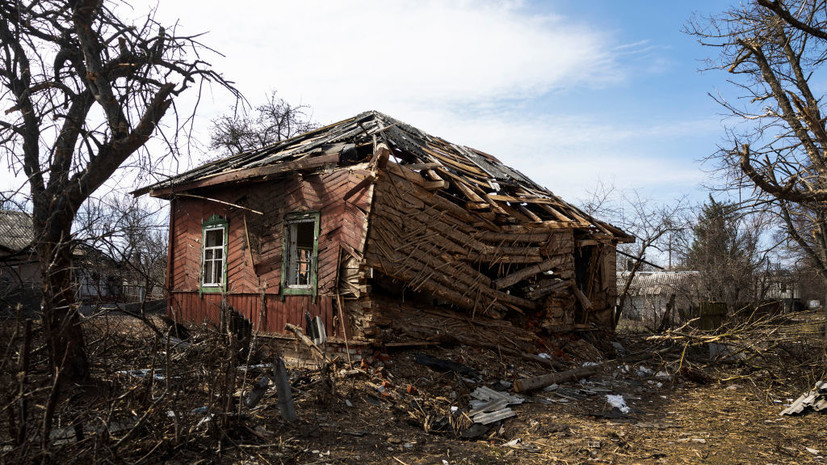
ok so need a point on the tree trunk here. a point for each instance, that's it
(625, 293)
(824, 307)
(61, 321)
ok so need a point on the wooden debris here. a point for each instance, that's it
(444, 365)
(306, 341)
(584, 301)
(529, 271)
(547, 287)
(537, 382)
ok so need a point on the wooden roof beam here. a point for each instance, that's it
(529, 271)
(302, 164)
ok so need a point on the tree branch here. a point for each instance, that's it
(776, 7)
(787, 192)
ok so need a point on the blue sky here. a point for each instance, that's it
(572, 93)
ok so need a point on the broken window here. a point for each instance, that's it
(301, 244)
(214, 254)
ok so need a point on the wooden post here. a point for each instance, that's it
(344, 327)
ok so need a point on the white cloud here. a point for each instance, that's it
(568, 154)
(469, 71)
(346, 56)
(463, 70)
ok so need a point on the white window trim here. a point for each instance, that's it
(222, 262)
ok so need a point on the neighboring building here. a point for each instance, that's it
(96, 276)
(369, 221)
(651, 292)
(783, 286)
(20, 280)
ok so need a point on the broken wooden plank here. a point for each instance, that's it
(381, 154)
(537, 382)
(415, 177)
(307, 163)
(547, 288)
(496, 259)
(584, 301)
(530, 214)
(473, 198)
(519, 275)
(306, 340)
(433, 176)
(493, 236)
(420, 166)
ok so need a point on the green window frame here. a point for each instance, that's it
(214, 238)
(300, 253)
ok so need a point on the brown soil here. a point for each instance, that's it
(685, 408)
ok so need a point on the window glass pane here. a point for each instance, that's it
(300, 242)
(304, 234)
(215, 238)
(213, 255)
(208, 272)
(217, 273)
(303, 266)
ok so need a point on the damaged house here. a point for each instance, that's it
(387, 234)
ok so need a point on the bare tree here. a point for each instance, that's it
(272, 122)
(132, 233)
(725, 250)
(84, 91)
(773, 51)
(651, 224)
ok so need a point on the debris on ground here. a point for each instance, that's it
(654, 404)
(815, 400)
(489, 406)
(618, 402)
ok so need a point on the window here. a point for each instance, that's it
(214, 255)
(301, 245)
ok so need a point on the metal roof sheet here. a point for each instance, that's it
(15, 230)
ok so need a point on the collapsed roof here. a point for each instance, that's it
(469, 177)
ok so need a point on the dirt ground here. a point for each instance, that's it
(683, 406)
